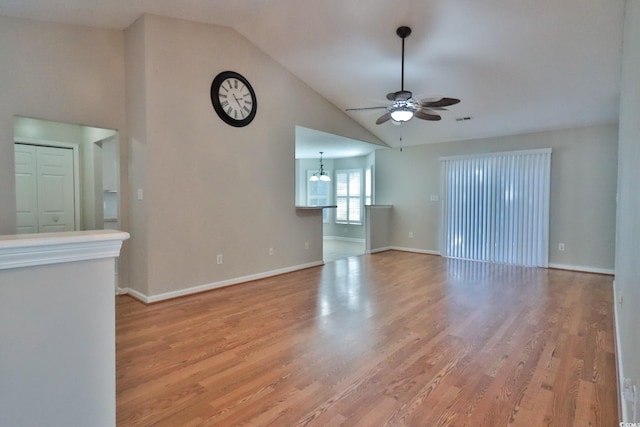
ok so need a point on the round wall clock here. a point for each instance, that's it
(233, 98)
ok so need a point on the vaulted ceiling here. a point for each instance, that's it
(517, 65)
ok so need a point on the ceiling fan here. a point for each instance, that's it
(404, 106)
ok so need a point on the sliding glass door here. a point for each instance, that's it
(496, 207)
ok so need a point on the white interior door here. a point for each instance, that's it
(26, 189)
(45, 194)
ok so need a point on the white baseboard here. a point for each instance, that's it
(344, 239)
(558, 266)
(416, 250)
(137, 295)
(376, 250)
(622, 405)
(583, 269)
(209, 286)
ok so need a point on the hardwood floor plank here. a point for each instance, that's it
(395, 338)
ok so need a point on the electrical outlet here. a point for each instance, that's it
(306, 246)
(411, 234)
(629, 390)
(270, 251)
(561, 247)
(219, 259)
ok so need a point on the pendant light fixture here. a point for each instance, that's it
(321, 175)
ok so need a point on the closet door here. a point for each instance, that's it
(26, 189)
(44, 189)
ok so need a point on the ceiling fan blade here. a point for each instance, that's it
(383, 118)
(442, 102)
(364, 108)
(426, 116)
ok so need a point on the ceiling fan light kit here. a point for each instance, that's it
(404, 107)
(403, 111)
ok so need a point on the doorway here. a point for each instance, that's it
(93, 198)
(349, 165)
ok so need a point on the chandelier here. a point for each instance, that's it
(321, 175)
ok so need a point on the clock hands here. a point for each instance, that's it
(239, 104)
(237, 100)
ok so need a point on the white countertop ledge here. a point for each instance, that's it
(27, 250)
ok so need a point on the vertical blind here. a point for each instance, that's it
(496, 207)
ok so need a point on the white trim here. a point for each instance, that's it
(500, 153)
(135, 294)
(556, 266)
(377, 250)
(344, 239)
(582, 268)
(416, 250)
(209, 286)
(27, 250)
(622, 405)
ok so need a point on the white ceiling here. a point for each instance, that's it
(310, 142)
(517, 65)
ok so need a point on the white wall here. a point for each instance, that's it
(627, 281)
(210, 188)
(57, 358)
(583, 187)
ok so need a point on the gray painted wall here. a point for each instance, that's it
(583, 190)
(57, 72)
(210, 188)
(63, 73)
(627, 281)
(207, 186)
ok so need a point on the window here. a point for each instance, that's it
(318, 193)
(348, 196)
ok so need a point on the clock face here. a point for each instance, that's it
(233, 98)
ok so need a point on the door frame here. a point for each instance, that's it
(76, 168)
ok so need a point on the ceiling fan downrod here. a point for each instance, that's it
(403, 105)
(403, 32)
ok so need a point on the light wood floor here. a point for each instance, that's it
(391, 339)
(338, 249)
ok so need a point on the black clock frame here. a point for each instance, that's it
(215, 100)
